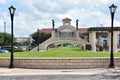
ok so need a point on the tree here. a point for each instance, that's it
(40, 36)
(5, 39)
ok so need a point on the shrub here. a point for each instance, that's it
(19, 50)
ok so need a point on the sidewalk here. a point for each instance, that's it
(20, 71)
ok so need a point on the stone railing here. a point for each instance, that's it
(67, 63)
(66, 38)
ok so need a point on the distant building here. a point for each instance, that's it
(22, 39)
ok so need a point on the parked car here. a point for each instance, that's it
(8, 48)
(19, 49)
(16, 48)
(3, 51)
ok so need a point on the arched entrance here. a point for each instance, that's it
(65, 43)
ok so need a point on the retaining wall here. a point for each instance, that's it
(84, 63)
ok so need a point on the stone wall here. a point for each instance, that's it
(78, 63)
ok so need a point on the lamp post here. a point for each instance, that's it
(12, 11)
(38, 38)
(112, 11)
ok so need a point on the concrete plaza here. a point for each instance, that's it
(20, 71)
(59, 74)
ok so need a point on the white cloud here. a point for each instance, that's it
(104, 1)
(88, 18)
(2, 1)
(24, 24)
(52, 9)
(33, 14)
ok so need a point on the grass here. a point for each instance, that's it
(61, 52)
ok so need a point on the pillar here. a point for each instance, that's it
(53, 34)
(77, 34)
(109, 41)
(92, 40)
(100, 41)
(86, 38)
(90, 37)
(115, 40)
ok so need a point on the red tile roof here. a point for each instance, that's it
(46, 30)
(82, 30)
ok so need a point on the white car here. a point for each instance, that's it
(3, 51)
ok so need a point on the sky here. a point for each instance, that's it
(31, 15)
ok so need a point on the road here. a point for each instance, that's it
(59, 74)
(51, 77)
(106, 76)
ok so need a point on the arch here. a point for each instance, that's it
(77, 43)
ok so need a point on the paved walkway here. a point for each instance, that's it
(20, 71)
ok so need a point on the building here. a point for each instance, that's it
(64, 34)
(93, 38)
(22, 39)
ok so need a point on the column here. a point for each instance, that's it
(115, 40)
(100, 41)
(90, 37)
(53, 34)
(92, 40)
(86, 38)
(109, 41)
(77, 34)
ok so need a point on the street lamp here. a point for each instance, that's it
(112, 11)
(38, 38)
(12, 11)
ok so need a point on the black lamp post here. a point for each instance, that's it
(112, 11)
(12, 11)
(38, 38)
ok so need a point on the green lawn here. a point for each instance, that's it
(65, 52)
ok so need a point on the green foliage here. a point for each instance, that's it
(40, 37)
(19, 50)
(61, 52)
(5, 39)
(22, 43)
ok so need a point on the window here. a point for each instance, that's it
(66, 23)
